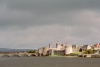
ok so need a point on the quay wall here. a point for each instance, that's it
(95, 56)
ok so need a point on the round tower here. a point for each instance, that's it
(68, 49)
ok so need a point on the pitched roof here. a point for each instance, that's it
(84, 46)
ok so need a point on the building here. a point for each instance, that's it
(60, 49)
(96, 46)
(85, 47)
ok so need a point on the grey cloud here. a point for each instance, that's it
(31, 22)
(32, 36)
(51, 5)
(2, 1)
(81, 32)
(40, 12)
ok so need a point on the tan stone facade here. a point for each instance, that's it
(61, 49)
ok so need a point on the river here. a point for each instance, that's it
(48, 62)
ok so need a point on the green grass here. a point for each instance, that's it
(77, 53)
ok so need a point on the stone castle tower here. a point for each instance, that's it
(68, 49)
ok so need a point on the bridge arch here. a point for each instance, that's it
(24, 55)
(33, 55)
(15, 55)
(5, 55)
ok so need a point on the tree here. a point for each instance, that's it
(32, 51)
(80, 50)
(89, 51)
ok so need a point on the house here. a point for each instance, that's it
(85, 47)
(96, 46)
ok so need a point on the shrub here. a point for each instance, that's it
(89, 51)
(94, 51)
(32, 51)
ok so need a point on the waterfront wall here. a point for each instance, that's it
(95, 56)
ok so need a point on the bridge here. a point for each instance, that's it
(17, 54)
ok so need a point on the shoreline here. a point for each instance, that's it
(62, 56)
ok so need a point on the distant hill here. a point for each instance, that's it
(14, 50)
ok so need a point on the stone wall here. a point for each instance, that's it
(59, 52)
(75, 49)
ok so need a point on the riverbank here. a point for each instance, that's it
(61, 56)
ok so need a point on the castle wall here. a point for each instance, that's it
(58, 47)
(51, 52)
(59, 52)
(40, 51)
(45, 49)
(75, 50)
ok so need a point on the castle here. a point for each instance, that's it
(65, 49)
(61, 49)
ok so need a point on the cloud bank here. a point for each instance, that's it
(36, 23)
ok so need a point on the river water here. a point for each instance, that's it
(48, 62)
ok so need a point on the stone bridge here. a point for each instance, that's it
(17, 54)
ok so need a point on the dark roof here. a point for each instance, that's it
(84, 47)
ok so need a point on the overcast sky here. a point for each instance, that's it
(36, 23)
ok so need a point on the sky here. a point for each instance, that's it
(37, 23)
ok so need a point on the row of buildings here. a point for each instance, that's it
(65, 49)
